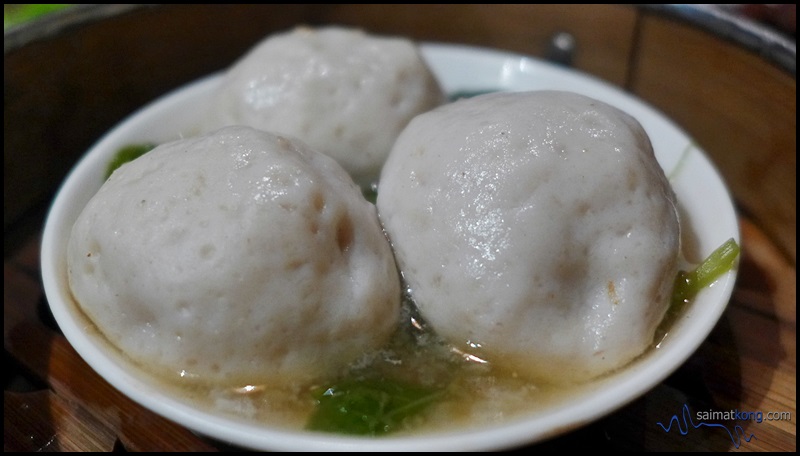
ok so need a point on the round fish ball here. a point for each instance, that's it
(535, 230)
(235, 257)
(344, 92)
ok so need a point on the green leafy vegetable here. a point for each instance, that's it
(21, 13)
(721, 260)
(368, 407)
(126, 154)
(370, 194)
(468, 94)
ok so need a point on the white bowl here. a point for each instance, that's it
(708, 215)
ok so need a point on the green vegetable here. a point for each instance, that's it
(21, 13)
(688, 284)
(468, 94)
(370, 194)
(368, 407)
(126, 154)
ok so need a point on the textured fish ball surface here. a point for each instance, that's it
(344, 92)
(235, 257)
(534, 229)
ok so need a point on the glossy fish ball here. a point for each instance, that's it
(235, 257)
(535, 230)
(344, 92)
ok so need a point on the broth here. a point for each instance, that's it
(476, 393)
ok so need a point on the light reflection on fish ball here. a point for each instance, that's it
(234, 258)
(537, 225)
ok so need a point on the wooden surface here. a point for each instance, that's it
(741, 110)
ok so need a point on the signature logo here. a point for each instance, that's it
(685, 423)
